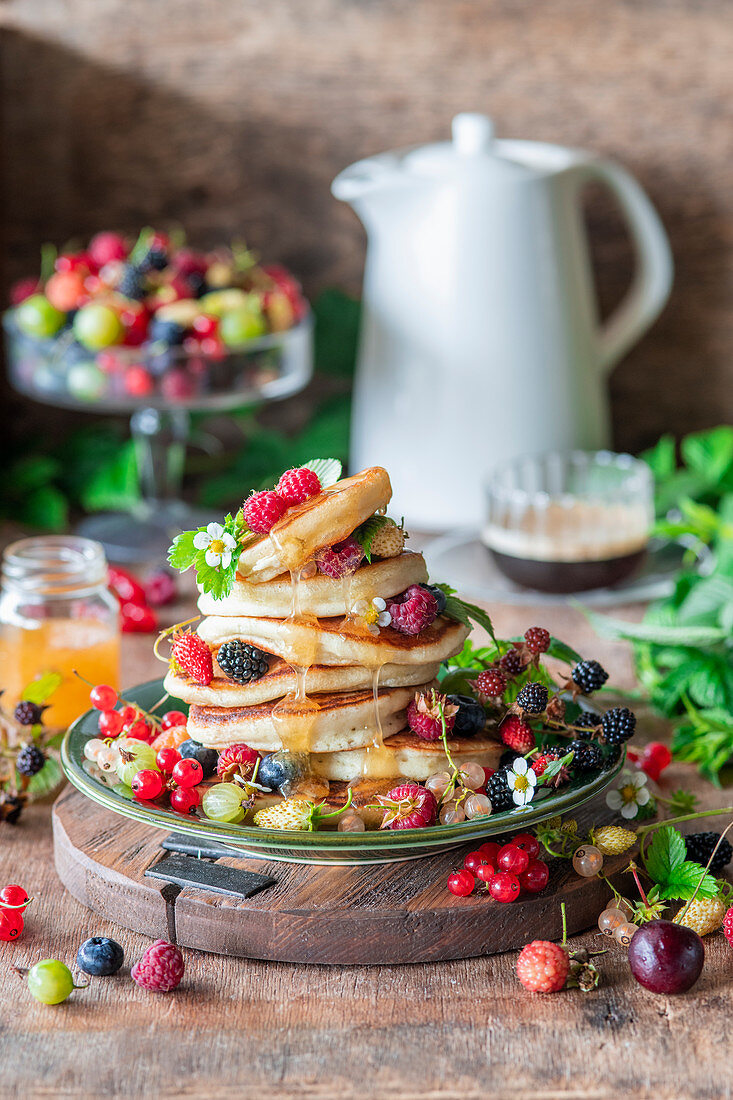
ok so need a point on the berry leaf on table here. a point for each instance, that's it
(676, 876)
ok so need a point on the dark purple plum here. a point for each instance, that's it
(666, 957)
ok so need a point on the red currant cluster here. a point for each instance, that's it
(130, 720)
(13, 903)
(503, 870)
(174, 775)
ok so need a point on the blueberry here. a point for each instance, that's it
(100, 956)
(168, 332)
(439, 594)
(282, 769)
(471, 717)
(207, 758)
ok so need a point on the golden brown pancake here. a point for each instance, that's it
(406, 754)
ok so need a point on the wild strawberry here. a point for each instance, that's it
(539, 765)
(491, 683)
(654, 759)
(408, 806)
(423, 715)
(298, 485)
(728, 926)
(414, 610)
(191, 654)
(236, 760)
(262, 511)
(294, 813)
(340, 560)
(543, 967)
(160, 969)
(388, 541)
(516, 734)
(703, 915)
(611, 840)
(537, 639)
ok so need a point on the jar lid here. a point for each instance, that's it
(54, 565)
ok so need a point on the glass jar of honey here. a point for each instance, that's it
(57, 615)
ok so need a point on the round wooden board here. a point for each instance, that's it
(394, 913)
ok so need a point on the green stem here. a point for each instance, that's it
(564, 924)
(641, 832)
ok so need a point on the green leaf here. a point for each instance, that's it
(648, 632)
(182, 552)
(328, 470)
(709, 453)
(661, 458)
(42, 688)
(114, 484)
(364, 534)
(55, 741)
(688, 879)
(467, 613)
(665, 852)
(45, 507)
(47, 779)
(563, 652)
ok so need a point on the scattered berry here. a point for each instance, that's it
(700, 848)
(50, 981)
(106, 247)
(167, 758)
(262, 511)
(504, 886)
(485, 872)
(618, 725)
(587, 861)
(137, 618)
(242, 662)
(511, 858)
(14, 897)
(297, 486)
(424, 715)
(536, 876)
(29, 714)
(587, 756)
(491, 683)
(100, 956)
(533, 698)
(139, 730)
(654, 759)
(340, 560)
(474, 860)
(703, 915)
(187, 772)
(587, 720)
(110, 723)
(543, 967)
(728, 926)
(207, 758)
(517, 734)
(528, 843)
(280, 771)
(30, 760)
(11, 924)
(389, 542)
(489, 851)
(612, 840)
(103, 697)
(539, 763)
(408, 806)
(538, 639)
(461, 883)
(611, 919)
(192, 655)
(147, 784)
(160, 969)
(665, 957)
(589, 676)
(470, 717)
(172, 718)
(413, 611)
(160, 588)
(299, 814)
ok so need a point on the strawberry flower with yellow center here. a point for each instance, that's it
(372, 613)
(521, 781)
(629, 794)
(218, 545)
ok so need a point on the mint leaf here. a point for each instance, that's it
(661, 459)
(182, 553)
(709, 453)
(328, 470)
(665, 852)
(41, 689)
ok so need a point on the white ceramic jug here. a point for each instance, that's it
(480, 337)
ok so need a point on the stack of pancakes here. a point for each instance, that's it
(333, 689)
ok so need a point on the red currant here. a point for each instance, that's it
(536, 877)
(489, 851)
(187, 773)
(167, 759)
(488, 772)
(13, 896)
(654, 759)
(512, 859)
(461, 883)
(485, 872)
(473, 861)
(11, 925)
(147, 784)
(204, 325)
(128, 714)
(103, 697)
(110, 723)
(504, 887)
(140, 730)
(184, 800)
(173, 718)
(529, 843)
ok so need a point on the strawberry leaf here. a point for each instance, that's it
(688, 879)
(182, 553)
(666, 852)
(328, 470)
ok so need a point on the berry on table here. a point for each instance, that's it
(517, 734)
(100, 956)
(187, 772)
(28, 714)
(413, 611)
(110, 723)
(537, 639)
(14, 897)
(298, 485)
(728, 926)
(473, 861)
(50, 981)
(424, 715)
(543, 967)
(30, 760)
(702, 915)
(470, 718)
(103, 697)
(147, 784)
(618, 725)
(535, 877)
(185, 800)
(611, 919)
(533, 698)
(700, 848)
(485, 872)
(587, 861)
(589, 676)
(665, 957)
(191, 654)
(587, 756)
(491, 683)
(11, 924)
(242, 662)
(262, 510)
(207, 758)
(461, 883)
(504, 886)
(172, 718)
(511, 858)
(489, 851)
(340, 560)
(160, 969)
(528, 843)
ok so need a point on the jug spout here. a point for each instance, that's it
(366, 177)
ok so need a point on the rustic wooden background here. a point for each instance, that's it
(232, 117)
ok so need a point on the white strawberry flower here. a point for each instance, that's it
(521, 781)
(629, 794)
(373, 613)
(218, 545)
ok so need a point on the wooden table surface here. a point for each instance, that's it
(251, 1029)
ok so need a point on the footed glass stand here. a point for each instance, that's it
(159, 387)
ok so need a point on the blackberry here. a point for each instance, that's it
(440, 597)
(499, 793)
(533, 698)
(512, 663)
(538, 639)
(508, 757)
(587, 756)
(587, 722)
(29, 714)
(589, 676)
(11, 807)
(700, 848)
(241, 662)
(471, 716)
(131, 283)
(618, 725)
(30, 760)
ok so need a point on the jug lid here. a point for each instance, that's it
(473, 142)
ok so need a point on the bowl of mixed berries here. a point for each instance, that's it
(126, 323)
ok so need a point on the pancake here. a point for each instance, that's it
(323, 520)
(336, 641)
(406, 754)
(326, 723)
(280, 679)
(319, 595)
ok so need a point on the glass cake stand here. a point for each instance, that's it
(159, 388)
(327, 847)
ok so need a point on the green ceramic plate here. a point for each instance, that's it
(297, 847)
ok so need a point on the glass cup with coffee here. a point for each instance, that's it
(569, 522)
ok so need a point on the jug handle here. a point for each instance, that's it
(652, 281)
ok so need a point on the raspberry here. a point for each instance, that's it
(262, 511)
(589, 676)
(105, 248)
(533, 698)
(423, 715)
(618, 725)
(516, 734)
(612, 840)
(236, 760)
(29, 714)
(160, 968)
(491, 683)
(543, 967)
(703, 915)
(537, 639)
(242, 662)
(340, 560)
(728, 926)
(192, 654)
(512, 663)
(700, 848)
(30, 760)
(499, 793)
(587, 756)
(298, 485)
(413, 611)
(408, 806)
(388, 541)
